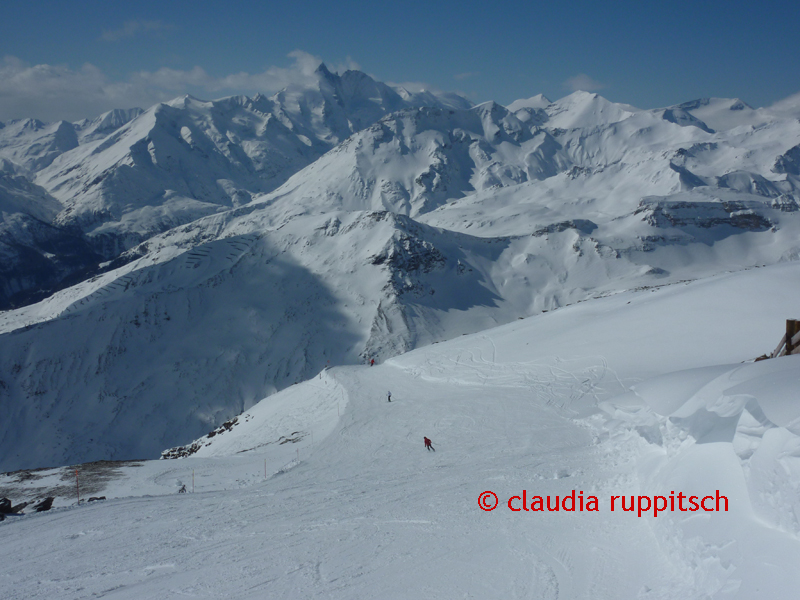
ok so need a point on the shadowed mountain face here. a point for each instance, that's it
(37, 257)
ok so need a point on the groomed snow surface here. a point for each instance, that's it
(325, 490)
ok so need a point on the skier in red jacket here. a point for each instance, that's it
(428, 445)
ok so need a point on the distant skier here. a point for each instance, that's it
(428, 445)
(389, 396)
(372, 362)
(183, 488)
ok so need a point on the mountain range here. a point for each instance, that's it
(163, 270)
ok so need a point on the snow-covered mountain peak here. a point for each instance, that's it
(29, 124)
(531, 110)
(339, 105)
(492, 109)
(539, 101)
(356, 87)
(497, 121)
(724, 114)
(92, 129)
(585, 110)
(32, 144)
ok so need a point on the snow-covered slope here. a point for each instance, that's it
(19, 196)
(324, 490)
(725, 113)
(582, 110)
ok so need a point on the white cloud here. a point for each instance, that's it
(788, 106)
(52, 92)
(348, 64)
(269, 81)
(131, 29)
(583, 82)
(415, 87)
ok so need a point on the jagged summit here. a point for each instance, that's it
(323, 71)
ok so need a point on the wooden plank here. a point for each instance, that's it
(792, 327)
(777, 350)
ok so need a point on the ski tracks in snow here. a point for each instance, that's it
(532, 407)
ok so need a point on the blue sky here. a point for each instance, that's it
(71, 60)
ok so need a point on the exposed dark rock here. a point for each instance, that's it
(406, 253)
(580, 225)
(6, 508)
(789, 162)
(44, 505)
(741, 215)
(684, 119)
(786, 203)
(189, 449)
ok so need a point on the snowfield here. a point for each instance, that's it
(324, 490)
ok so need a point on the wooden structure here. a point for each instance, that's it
(790, 342)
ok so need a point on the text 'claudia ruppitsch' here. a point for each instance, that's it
(577, 502)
